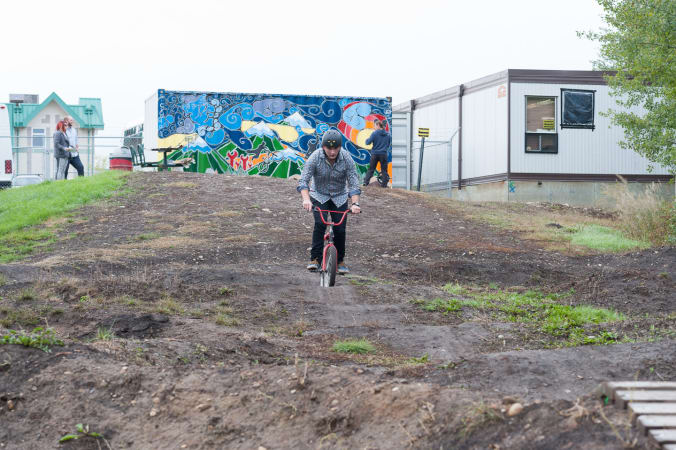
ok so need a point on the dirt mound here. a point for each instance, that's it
(192, 323)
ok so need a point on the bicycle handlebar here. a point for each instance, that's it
(321, 216)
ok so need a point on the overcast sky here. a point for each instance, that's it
(122, 51)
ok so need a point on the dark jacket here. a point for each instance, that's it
(61, 145)
(381, 141)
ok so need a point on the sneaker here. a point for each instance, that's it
(342, 269)
(313, 266)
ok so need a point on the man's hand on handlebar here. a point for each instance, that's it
(354, 209)
(307, 204)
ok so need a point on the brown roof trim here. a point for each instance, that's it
(482, 180)
(587, 177)
(558, 76)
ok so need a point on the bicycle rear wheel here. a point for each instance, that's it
(328, 276)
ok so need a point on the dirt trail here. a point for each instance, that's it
(201, 280)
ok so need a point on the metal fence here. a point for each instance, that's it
(34, 155)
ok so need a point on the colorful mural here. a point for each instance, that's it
(263, 134)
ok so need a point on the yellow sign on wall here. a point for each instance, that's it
(548, 124)
(424, 132)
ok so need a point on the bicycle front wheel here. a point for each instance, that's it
(331, 267)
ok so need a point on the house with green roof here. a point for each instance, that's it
(32, 124)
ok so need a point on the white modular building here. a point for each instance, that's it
(520, 135)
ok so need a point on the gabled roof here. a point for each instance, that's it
(87, 114)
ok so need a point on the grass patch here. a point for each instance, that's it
(169, 306)
(644, 215)
(38, 338)
(454, 289)
(541, 312)
(147, 236)
(602, 238)
(27, 295)
(23, 209)
(105, 334)
(226, 320)
(19, 316)
(358, 346)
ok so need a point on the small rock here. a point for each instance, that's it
(256, 384)
(515, 409)
(265, 210)
(508, 400)
(395, 389)
(334, 403)
(10, 405)
(260, 447)
(360, 371)
(34, 388)
(68, 373)
(500, 336)
(202, 407)
(153, 412)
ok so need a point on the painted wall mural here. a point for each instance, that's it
(263, 134)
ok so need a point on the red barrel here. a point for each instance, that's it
(120, 159)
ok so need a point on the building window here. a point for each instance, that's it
(38, 137)
(541, 134)
(577, 108)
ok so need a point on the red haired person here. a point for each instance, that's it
(61, 150)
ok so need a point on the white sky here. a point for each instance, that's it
(124, 50)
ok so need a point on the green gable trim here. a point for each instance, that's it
(21, 115)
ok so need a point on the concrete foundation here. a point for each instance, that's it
(575, 193)
(578, 193)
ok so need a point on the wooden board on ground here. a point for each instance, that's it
(664, 436)
(652, 405)
(640, 408)
(646, 423)
(624, 397)
(608, 388)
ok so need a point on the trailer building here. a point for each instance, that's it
(522, 135)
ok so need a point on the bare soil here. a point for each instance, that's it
(221, 339)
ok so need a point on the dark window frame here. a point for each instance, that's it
(579, 126)
(554, 133)
(553, 151)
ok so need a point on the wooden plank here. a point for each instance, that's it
(656, 421)
(608, 388)
(664, 436)
(640, 408)
(623, 397)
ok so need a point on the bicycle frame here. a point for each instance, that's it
(328, 234)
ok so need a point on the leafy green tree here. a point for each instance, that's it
(638, 47)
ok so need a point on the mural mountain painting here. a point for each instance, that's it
(263, 134)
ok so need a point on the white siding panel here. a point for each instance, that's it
(150, 128)
(581, 151)
(484, 133)
(442, 120)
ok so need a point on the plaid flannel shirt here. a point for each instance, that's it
(326, 182)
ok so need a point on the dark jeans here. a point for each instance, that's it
(320, 228)
(75, 162)
(384, 177)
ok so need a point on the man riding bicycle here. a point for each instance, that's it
(329, 177)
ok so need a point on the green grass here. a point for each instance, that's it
(540, 311)
(147, 236)
(38, 338)
(359, 346)
(105, 334)
(23, 209)
(604, 239)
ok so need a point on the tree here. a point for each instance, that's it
(638, 48)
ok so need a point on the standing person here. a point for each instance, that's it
(329, 176)
(71, 133)
(61, 150)
(381, 141)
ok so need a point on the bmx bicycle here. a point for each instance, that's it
(329, 267)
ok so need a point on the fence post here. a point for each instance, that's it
(420, 163)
